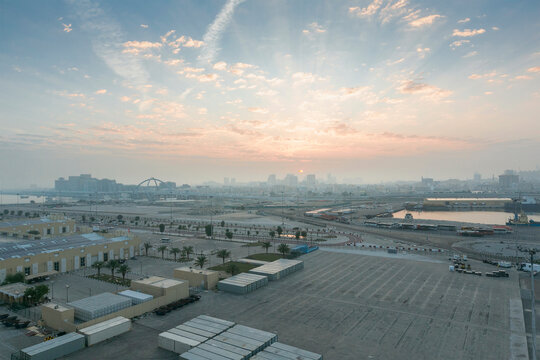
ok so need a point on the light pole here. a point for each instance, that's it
(67, 293)
(532, 252)
(52, 289)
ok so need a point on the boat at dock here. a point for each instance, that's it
(522, 220)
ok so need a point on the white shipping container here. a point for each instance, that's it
(105, 330)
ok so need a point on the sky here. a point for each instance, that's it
(190, 91)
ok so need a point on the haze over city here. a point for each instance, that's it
(193, 91)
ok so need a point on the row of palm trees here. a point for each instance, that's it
(185, 252)
(112, 265)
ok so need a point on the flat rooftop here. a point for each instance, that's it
(25, 222)
(351, 306)
(33, 247)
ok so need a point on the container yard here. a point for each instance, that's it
(105, 330)
(136, 297)
(192, 333)
(99, 305)
(280, 351)
(278, 269)
(54, 348)
(243, 283)
(239, 342)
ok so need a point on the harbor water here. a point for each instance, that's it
(477, 217)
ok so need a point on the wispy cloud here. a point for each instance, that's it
(459, 43)
(468, 32)
(215, 31)
(463, 21)
(144, 26)
(101, 92)
(534, 69)
(107, 42)
(423, 21)
(314, 28)
(67, 28)
(369, 10)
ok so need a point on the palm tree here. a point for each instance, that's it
(188, 250)
(279, 231)
(223, 254)
(112, 264)
(147, 246)
(174, 251)
(201, 261)
(266, 245)
(232, 268)
(124, 269)
(284, 249)
(162, 248)
(98, 265)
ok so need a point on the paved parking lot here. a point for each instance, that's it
(349, 306)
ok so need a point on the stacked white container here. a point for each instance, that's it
(105, 330)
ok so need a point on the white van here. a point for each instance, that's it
(527, 267)
(165, 240)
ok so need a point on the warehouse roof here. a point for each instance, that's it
(18, 249)
(25, 222)
(98, 301)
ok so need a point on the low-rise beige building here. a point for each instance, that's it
(206, 279)
(165, 291)
(38, 228)
(158, 286)
(63, 254)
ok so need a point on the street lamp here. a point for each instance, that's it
(52, 289)
(532, 252)
(67, 293)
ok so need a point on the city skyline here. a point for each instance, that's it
(192, 92)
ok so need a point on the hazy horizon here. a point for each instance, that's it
(197, 91)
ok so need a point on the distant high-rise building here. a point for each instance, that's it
(508, 180)
(226, 181)
(477, 177)
(291, 180)
(427, 181)
(271, 180)
(233, 181)
(311, 180)
(85, 183)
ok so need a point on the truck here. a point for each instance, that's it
(527, 267)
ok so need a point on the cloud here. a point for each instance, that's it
(144, 26)
(422, 52)
(67, 28)
(423, 21)
(135, 47)
(258, 110)
(222, 65)
(314, 28)
(463, 21)
(164, 37)
(459, 43)
(482, 76)
(534, 69)
(494, 28)
(522, 77)
(392, 10)
(193, 43)
(202, 111)
(468, 32)
(369, 10)
(429, 92)
(202, 77)
(125, 99)
(398, 61)
(305, 78)
(101, 92)
(215, 31)
(470, 54)
(173, 62)
(107, 38)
